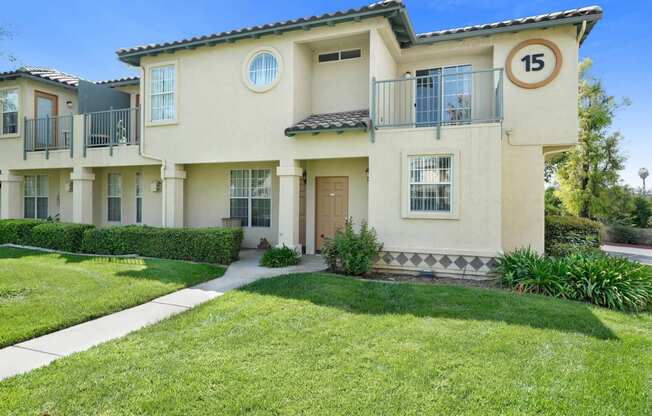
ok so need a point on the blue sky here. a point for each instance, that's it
(81, 37)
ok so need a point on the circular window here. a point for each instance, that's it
(262, 71)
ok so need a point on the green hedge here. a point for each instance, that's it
(17, 231)
(622, 234)
(565, 234)
(59, 236)
(212, 245)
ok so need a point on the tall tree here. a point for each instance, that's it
(643, 173)
(5, 55)
(591, 168)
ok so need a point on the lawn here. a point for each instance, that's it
(319, 344)
(43, 292)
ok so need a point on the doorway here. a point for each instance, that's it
(331, 208)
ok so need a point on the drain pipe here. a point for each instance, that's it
(141, 150)
(582, 31)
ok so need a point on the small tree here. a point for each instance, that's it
(643, 173)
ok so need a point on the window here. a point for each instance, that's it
(443, 95)
(9, 108)
(139, 198)
(162, 90)
(251, 197)
(263, 70)
(339, 55)
(36, 196)
(430, 182)
(115, 198)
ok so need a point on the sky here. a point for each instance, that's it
(81, 37)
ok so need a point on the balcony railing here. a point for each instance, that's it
(438, 99)
(112, 128)
(48, 133)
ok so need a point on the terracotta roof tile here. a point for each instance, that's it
(358, 119)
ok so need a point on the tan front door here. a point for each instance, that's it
(332, 207)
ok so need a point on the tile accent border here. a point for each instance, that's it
(445, 264)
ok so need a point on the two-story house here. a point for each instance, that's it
(437, 139)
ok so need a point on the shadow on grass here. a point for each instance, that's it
(436, 301)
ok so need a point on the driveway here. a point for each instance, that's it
(641, 255)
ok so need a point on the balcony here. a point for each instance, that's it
(48, 134)
(440, 98)
(107, 129)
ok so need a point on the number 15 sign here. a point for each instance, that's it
(533, 63)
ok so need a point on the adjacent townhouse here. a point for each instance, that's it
(436, 139)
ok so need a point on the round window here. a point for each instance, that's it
(263, 71)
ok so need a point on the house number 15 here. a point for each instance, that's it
(534, 62)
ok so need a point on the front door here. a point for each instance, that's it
(332, 207)
(45, 108)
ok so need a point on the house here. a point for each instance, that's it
(437, 139)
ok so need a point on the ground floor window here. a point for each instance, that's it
(251, 196)
(139, 198)
(114, 198)
(430, 184)
(36, 196)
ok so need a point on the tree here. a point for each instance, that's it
(642, 211)
(591, 168)
(5, 35)
(643, 173)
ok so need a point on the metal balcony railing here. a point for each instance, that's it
(48, 133)
(442, 97)
(112, 128)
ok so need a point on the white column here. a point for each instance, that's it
(173, 181)
(288, 210)
(12, 196)
(82, 195)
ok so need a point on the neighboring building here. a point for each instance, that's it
(438, 140)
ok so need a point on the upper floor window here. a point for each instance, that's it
(263, 70)
(443, 95)
(162, 91)
(339, 55)
(9, 108)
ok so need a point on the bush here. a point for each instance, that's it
(611, 282)
(622, 234)
(17, 231)
(350, 252)
(280, 257)
(59, 236)
(566, 234)
(212, 245)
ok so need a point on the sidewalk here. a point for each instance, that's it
(28, 355)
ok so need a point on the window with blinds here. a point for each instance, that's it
(162, 90)
(36, 196)
(251, 197)
(114, 202)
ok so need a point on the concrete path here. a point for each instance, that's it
(641, 255)
(38, 352)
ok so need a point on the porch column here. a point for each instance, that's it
(173, 180)
(82, 195)
(11, 198)
(288, 209)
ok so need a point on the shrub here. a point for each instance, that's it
(352, 252)
(566, 234)
(280, 257)
(628, 235)
(59, 236)
(17, 231)
(212, 245)
(611, 282)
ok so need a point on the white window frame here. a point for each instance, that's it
(249, 59)
(339, 56)
(138, 185)
(109, 197)
(20, 106)
(249, 197)
(37, 195)
(453, 214)
(175, 93)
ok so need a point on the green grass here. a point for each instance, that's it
(319, 344)
(43, 292)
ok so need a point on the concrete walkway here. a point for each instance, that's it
(38, 352)
(641, 255)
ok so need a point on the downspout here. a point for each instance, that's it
(141, 148)
(582, 31)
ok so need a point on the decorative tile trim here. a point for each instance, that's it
(437, 263)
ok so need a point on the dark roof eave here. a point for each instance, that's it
(114, 84)
(133, 58)
(590, 19)
(292, 133)
(11, 76)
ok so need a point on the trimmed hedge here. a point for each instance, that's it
(17, 231)
(59, 236)
(622, 234)
(212, 245)
(565, 234)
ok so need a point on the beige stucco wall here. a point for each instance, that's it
(207, 200)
